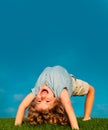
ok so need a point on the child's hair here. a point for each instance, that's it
(56, 115)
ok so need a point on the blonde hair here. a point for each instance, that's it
(56, 115)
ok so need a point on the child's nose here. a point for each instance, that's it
(43, 97)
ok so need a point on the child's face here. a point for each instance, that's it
(45, 99)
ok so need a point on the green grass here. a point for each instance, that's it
(94, 124)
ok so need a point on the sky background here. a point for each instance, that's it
(36, 34)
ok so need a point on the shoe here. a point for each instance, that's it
(86, 119)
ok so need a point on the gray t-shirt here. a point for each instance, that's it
(57, 78)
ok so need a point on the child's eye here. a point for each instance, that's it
(39, 101)
(47, 101)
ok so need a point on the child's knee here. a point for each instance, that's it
(91, 90)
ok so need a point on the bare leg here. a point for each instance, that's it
(89, 103)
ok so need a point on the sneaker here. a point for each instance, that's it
(86, 119)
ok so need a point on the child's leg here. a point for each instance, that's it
(81, 88)
(89, 103)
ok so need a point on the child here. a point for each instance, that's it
(56, 85)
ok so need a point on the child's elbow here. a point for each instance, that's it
(22, 107)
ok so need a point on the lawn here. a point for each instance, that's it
(94, 124)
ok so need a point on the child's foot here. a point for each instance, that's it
(86, 119)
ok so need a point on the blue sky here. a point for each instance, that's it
(34, 35)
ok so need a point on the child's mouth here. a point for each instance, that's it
(44, 91)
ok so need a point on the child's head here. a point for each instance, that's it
(45, 99)
(54, 115)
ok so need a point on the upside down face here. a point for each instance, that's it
(45, 99)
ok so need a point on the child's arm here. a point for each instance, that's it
(22, 107)
(65, 99)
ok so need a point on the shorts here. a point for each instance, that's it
(80, 88)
